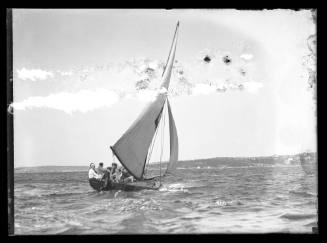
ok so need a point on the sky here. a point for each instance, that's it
(239, 85)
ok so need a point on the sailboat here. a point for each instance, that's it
(133, 149)
(308, 163)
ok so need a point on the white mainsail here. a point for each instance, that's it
(132, 148)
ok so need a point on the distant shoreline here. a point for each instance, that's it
(217, 160)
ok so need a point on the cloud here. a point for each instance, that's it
(246, 56)
(65, 73)
(138, 79)
(146, 95)
(145, 74)
(203, 89)
(252, 87)
(83, 101)
(33, 74)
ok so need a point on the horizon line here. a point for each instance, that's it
(265, 156)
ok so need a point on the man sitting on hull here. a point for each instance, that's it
(100, 170)
(120, 175)
(125, 176)
(113, 172)
(97, 181)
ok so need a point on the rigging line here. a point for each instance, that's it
(162, 139)
(151, 149)
(154, 139)
(169, 138)
(152, 143)
(113, 157)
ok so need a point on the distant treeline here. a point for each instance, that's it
(240, 161)
(212, 162)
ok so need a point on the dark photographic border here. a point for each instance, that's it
(8, 179)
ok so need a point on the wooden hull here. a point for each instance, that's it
(133, 186)
(147, 184)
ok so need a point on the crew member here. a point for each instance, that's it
(100, 170)
(95, 178)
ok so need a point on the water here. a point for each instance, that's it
(199, 199)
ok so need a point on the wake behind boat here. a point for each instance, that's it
(133, 149)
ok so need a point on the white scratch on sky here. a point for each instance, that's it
(139, 79)
(83, 101)
(34, 74)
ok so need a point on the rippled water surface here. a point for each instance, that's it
(199, 199)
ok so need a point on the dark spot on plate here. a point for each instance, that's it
(221, 89)
(149, 70)
(142, 84)
(227, 60)
(207, 59)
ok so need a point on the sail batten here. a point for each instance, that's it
(132, 148)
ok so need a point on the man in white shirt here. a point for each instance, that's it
(99, 181)
(93, 174)
(95, 179)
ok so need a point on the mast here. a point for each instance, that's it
(171, 48)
